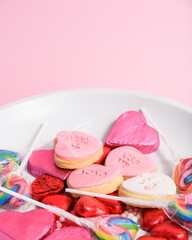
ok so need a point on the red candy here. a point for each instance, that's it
(106, 151)
(88, 206)
(69, 222)
(150, 238)
(46, 185)
(152, 218)
(61, 201)
(115, 207)
(169, 230)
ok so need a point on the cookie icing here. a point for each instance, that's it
(92, 175)
(131, 161)
(150, 184)
(74, 145)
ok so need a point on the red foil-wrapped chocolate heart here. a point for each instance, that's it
(150, 238)
(88, 206)
(44, 186)
(152, 218)
(115, 207)
(59, 200)
(169, 230)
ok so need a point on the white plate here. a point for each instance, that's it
(100, 107)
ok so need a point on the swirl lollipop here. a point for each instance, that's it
(181, 210)
(183, 175)
(13, 180)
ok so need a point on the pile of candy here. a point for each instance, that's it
(117, 168)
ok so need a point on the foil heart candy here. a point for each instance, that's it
(33, 225)
(169, 230)
(88, 206)
(45, 185)
(131, 129)
(62, 201)
(152, 218)
(115, 207)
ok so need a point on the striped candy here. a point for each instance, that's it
(17, 184)
(181, 210)
(115, 227)
(183, 175)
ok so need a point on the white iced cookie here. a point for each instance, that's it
(148, 186)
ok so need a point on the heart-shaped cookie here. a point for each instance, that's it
(42, 162)
(148, 186)
(88, 206)
(33, 225)
(131, 129)
(169, 230)
(76, 149)
(95, 178)
(131, 161)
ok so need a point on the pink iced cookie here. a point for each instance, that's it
(33, 225)
(131, 161)
(42, 162)
(131, 129)
(72, 233)
(95, 178)
(76, 149)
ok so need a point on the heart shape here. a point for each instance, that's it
(42, 162)
(151, 218)
(44, 186)
(148, 186)
(88, 206)
(33, 225)
(73, 145)
(131, 129)
(115, 206)
(169, 230)
(131, 161)
(62, 201)
(91, 176)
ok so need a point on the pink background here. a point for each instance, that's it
(141, 45)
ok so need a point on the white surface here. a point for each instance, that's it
(101, 107)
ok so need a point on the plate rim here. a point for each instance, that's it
(146, 95)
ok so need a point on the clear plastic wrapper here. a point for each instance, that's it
(180, 210)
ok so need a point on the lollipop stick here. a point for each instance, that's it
(25, 160)
(122, 199)
(55, 210)
(172, 151)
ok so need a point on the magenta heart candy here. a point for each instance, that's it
(72, 233)
(33, 225)
(42, 162)
(131, 129)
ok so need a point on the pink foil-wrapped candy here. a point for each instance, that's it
(131, 129)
